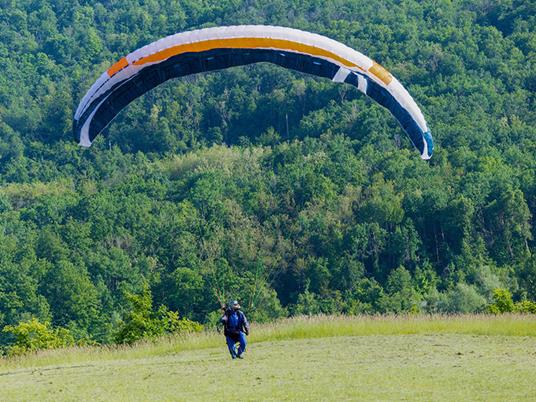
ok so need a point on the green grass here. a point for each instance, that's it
(319, 358)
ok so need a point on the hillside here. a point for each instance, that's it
(290, 193)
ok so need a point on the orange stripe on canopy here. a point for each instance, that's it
(380, 72)
(249, 43)
(121, 64)
(242, 43)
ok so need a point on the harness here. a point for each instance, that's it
(234, 323)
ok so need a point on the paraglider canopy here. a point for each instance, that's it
(222, 47)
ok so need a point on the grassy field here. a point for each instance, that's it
(321, 358)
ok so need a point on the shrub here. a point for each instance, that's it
(33, 335)
(502, 302)
(169, 321)
(525, 306)
(267, 306)
(307, 304)
(142, 323)
(465, 298)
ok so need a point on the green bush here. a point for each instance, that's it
(143, 323)
(502, 302)
(33, 335)
(525, 306)
(465, 298)
(169, 322)
(307, 304)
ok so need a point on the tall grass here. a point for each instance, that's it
(290, 329)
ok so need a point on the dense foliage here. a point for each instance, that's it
(293, 194)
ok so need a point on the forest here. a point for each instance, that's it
(289, 193)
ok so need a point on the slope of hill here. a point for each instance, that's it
(318, 206)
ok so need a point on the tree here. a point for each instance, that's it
(71, 295)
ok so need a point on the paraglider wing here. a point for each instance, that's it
(222, 47)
